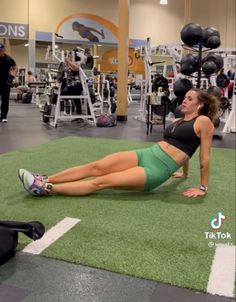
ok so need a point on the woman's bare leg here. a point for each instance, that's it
(131, 179)
(115, 162)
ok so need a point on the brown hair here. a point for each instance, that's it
(211, 103)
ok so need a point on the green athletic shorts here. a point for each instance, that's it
(157, 164)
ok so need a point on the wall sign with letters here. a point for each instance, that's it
(14, 30)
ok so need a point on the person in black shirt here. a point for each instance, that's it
(72, 84)
(8, 71)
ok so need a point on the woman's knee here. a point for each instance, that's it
(101, 182)
(97, 168)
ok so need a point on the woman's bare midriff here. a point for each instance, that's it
(179, 156)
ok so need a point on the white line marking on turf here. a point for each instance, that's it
(222, 276)
(36, 247)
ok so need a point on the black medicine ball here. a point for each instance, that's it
(209, 67)
(181, 87)
(191, 34)
(215, 58)
(178, 112)
(213, 42)
(208, 32)
(191, 59)
(187, 69)
(222, 80)
(189, 64)
(158, 82)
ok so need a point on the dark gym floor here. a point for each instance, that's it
(29, 278)
(24, 129)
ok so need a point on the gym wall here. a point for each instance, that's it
(219, 14)
(162, 23)
(14, 11)
(20, 53)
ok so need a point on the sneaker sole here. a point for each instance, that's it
(21, 177)
(23, 181)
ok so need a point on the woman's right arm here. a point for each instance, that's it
(184, 173)
(186, 168)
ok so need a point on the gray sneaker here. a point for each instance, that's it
(35, 186)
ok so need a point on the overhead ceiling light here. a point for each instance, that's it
(163, 2)
(26, 44)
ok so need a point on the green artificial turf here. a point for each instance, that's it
(158, 235)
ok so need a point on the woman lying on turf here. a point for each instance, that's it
(142, 169)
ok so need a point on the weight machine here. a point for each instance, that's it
(228, 116)
(38, 90)
(230, 125)
(146, 52)
(53, 113)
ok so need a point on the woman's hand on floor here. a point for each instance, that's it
(193, 192)
(179, 175)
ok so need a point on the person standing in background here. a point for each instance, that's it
(8, 72)
(30, 77)
(73, 85)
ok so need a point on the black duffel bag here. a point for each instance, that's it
(9, 236)
(8, 244)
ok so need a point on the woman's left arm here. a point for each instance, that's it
(206, 131)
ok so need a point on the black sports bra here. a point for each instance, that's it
(181, 134)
